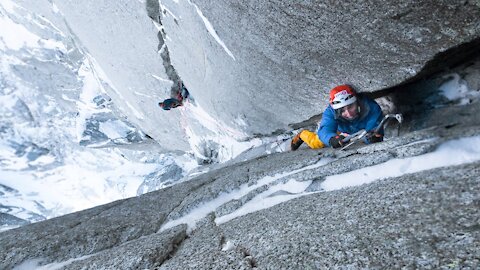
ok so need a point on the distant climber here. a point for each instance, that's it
(181, 96)
(347, 113)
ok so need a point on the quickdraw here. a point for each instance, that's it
(359, 135)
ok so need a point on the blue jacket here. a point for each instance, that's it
(370, 116)
(170, 103)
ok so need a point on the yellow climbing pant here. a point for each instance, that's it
(311, 139)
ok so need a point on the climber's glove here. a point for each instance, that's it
(336, 141)
(373, 137)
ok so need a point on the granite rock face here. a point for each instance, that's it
(289, 54)
(123, 42)
(98, 229)
(275, 61)
(259, 67)
(426, 219)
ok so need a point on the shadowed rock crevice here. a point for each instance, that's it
(418, 96)
(154, 12)
(174, 247)
(448, 59)
(147, 252)
(248, 257)
(451, 60)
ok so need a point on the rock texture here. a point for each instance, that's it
(259, 66)
(287, 55)
(123, 41)
(419, 221)
(427, 219)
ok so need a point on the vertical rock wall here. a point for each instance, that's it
(271, 63)
(123, 41)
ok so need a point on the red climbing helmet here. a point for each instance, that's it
(341, 96)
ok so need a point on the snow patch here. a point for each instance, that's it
(456, 89)
(55, 8)
(100, 76)
(267, 199)
(85, 105)
(141, 94)
(454, 152)
(240, 120)
(160, 78)
(213, 124)
(115, 129)
(204, 209)
(137, 113)
(15, 36)
(9, 6)
(36, 264)
(421, 142)
(216, 136)
(4, 228)
(43, 160)
(228, 246)
(82, 182)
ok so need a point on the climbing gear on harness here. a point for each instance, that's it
(359, 135)
(397, 117)
(353, 138)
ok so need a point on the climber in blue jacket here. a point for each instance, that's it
(347, 113)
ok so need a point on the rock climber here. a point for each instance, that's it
(177, 101)
(347, 113)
